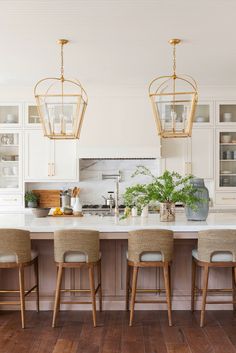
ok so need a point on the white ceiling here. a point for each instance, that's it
(121, 42)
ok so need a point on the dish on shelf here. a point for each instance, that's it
(225, 138)
(200, 119)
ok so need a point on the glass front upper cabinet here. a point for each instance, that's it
(203, 114)
(32, 118)
(226, 113)
(226, 166)
(10, 166)
(10, 115)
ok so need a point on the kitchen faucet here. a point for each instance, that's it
(117, 178)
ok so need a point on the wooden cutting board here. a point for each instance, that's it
(48, 198)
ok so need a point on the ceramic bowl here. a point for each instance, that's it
(40, 212)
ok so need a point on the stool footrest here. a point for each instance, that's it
(75, 302)
(221, 302)
(10, 303)
(151, 301)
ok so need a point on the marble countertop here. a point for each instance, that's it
(113, 225)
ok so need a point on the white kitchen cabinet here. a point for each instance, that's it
(31, 116)
(202, 153)
(226, 113)
(193, 155)
(49, 160)
(37, 156)
(175, 155)
(64, 159)
(10, 161)
(11, 115)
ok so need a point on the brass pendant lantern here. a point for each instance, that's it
(61, 104)
(174, 99)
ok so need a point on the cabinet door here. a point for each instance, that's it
(64, 160)
(37, 156)
(175, 155)
(202, 154)
(10, 161)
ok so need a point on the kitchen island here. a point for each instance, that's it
(114, 235)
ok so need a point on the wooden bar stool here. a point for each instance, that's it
(77, 249)
(149, 248)
(216, 249)
(15, 252)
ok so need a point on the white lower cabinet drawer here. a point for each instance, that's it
(11, 200)
(226, 198)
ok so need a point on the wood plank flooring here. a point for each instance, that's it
(150, 333)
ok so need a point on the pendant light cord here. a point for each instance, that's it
(62, 63)
(174, 61)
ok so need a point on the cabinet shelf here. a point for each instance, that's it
(227, 174)
(227, 160)
(10, 145)
(228, 144)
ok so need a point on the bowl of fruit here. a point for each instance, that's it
(57, 212)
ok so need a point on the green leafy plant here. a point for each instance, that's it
(170, 187)
(136, 196)
(31, 197)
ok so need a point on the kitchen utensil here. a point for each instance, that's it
(109, 201)
(40, 212)
(225, 138)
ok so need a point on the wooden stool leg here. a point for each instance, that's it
(234, 286)
(100, 282)
(169, 271)
(92, 290)
(194, 267)
(22, 295)
(167, 288)
(36, 272)
(57, 295)
(204, 293)
(133, 294)
(127, 286)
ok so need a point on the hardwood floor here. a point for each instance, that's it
(150, 333)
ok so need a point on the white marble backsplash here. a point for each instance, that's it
(93, 186)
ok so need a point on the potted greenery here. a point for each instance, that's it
(167, 189)
(136, 198)
(31, 199)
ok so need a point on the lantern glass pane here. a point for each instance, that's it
(174, 111)
(61, 108)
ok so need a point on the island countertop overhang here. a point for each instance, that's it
(119, 228)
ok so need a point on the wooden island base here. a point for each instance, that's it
(113, 248)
